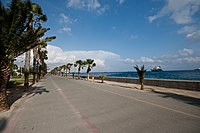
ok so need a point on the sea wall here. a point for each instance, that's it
(178, 84)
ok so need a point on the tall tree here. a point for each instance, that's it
(90, 64)
(55, 71)
(68, 66)
(63, 69)
(42, 52)
(36, 17)
(141, 72)
(36, 57)
(15, 39)
(80, 64)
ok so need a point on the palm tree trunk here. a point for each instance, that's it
(37, 71)
(42, 68)
(79, 69)
(4, 74)
(40, 71)
(27, 62)
(142, 83)
(66, 73)
(34, 64)
(26, 72)
(88, 76)
(69, 72)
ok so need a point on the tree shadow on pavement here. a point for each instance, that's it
(36, 90)
(16, 92)
(3, 123)
(186, 99)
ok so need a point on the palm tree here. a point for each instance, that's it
(36, 57)
(55, 71)
(141, 72)
(36, 17)
(59, 70)
(80, 64)
(42, 52)
(26, 69)
(101, 77)
(15, 39)
(63, 69)
(90, 64)
(68, 66)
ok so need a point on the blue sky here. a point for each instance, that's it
(118, 34)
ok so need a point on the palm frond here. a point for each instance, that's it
(141, 71)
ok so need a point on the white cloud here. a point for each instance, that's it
(104, 59)
(145, 60)
(89, 5)
(65, 30)
(103, 9)
(185, 52)
(84, 4)
(129, 60)
(67, 22)
(109, 61)
(65, 19)
(93, 4)
(152, 18)
(181, 11)
(189, 60)
(191, 32)
(194, 35)
(183, 59)
(187, 29)
(75, 3)
(120, 1)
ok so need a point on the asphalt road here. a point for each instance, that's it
(62, 105)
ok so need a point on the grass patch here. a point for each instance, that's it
(16, 81)
(16, 77)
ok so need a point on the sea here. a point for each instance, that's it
(175, 75)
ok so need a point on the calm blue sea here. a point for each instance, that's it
(177, 75)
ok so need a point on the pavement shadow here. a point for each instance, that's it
(3, 124)
(185, 99)
(37, 90)
(16, 92)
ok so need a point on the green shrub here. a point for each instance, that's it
(102, 77)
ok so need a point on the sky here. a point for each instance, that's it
(119, 34)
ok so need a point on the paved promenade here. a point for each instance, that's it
(172, 91)
(61, 105)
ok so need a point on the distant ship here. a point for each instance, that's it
(156, 69)
(197, 69)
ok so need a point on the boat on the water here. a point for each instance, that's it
(156, 69)
(197, 69)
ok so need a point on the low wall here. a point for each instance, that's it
(179, 84)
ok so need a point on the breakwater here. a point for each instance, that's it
(178, 84)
